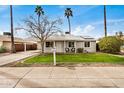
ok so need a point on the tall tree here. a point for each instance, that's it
(39, 11)
(105, 25)
(120, 34)
(12, 36)
(68, 13)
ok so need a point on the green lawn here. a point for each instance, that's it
(76, 58)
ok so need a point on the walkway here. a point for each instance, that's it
(9, 58)
(48, 77)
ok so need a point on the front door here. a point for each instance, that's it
(59, 47)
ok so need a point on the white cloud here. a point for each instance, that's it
(79, 30)
(88, 29)
(109, 22)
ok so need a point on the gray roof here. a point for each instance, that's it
(68, 37)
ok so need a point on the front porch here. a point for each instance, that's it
(61, 46)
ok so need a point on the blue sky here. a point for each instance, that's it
(86, 20)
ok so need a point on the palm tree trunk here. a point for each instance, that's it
(69, 25)
(12, 36)
(39, 20)
(39, 24)
(105, 26)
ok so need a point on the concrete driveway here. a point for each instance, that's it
(53, 77)
(9, 58)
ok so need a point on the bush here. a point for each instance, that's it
(2, 49)
(80, 50)
(110, 44)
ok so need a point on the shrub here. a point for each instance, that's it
(80, 50)
(110, 44)
(2, 49)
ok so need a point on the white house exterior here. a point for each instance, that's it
(68, 43)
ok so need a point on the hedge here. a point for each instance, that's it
(110, 44)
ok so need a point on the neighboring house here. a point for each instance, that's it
(1, 43)
(20, 44)
(68, 43)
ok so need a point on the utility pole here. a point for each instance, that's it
(12, 36)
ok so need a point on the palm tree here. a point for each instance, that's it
(105, 26)
(39, 11)
(68, 13)
(12, 36)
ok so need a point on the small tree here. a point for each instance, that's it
(110, 44)
(42, 30)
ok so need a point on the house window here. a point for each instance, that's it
(71, 44)
(49, 44)
(87, 44)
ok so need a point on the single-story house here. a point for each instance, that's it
(68, 43)
(20, 44)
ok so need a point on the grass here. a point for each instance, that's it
(76, 58)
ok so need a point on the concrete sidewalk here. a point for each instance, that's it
(47, 77)
(17, 56)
